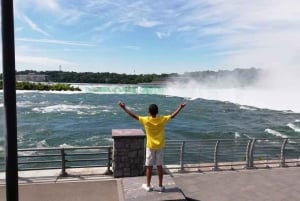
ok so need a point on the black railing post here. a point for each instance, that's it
(248, 154)
(182, 156)
(282, 154)
(251, 154)
(9, 89)
(109, 158)
(216, 167)
(63, 163)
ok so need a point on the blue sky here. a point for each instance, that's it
(137, 37)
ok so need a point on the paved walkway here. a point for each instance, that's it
(133, 191)
(273, 184)
(82, 184)
(68, 191)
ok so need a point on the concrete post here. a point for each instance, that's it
(128, 152)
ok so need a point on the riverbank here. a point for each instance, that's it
(44, 87)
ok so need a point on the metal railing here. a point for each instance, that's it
(216, 154)
(211, 154)
(64, 158)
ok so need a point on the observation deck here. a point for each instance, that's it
(204, 170)
(90, 184)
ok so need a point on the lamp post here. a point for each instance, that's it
(9, 91)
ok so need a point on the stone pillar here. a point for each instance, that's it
(128, 152)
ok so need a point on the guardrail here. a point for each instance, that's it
(65, 157)
(216, 154)
(211, 154)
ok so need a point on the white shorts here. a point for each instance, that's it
(154, 157)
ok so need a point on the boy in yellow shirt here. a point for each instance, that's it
(155, 132)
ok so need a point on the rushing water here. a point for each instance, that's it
(51, 119)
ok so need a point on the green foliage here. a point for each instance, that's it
(43, 87)
(236, 77)
(102, 78)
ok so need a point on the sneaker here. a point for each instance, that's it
(161, 188)
(147, 188)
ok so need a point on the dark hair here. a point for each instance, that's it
(153, 109)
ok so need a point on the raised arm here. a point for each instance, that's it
(132, 114)
(182, 105)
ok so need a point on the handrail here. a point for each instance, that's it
(244, 153)
(86, 156)
(209, 154)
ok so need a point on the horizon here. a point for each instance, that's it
(139, 37)
(187, 72)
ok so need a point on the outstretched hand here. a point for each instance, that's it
(121, 104)
(132, 114)
(179, 108)
(182, 105)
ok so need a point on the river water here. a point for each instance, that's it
(86, 118)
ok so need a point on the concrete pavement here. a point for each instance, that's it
(265, 184)
(273, 184)
(68, 191)
(82, 184)
(133, 191)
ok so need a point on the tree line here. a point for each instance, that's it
(239, 76)
(103, 77)
(43, 87)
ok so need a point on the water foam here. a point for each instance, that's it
(42, 144)
(268, 98)
(64, 108)
(26, 153)
(249, 137)
(47, 92)
(294, 127)
(64, 145)
(237, 135)
(247, 108)
(25, 104)
(275, 133)
(120, 89)
(283, 99)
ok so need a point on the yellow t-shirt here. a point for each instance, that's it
(155, 130)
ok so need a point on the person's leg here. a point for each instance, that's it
(149, 164)
(159, 163)
(149, 175)
(160, 175)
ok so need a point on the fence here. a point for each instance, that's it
(219, 154)
(63, 158)
(212, 154)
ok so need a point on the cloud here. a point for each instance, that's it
(162, 35)
(49, 4)
(58, 42)
(185, 28)
(147, 23)
(40, 62)
(17, 29)
(231, 33)
(260, 33)
(52, 5)
(132, 47)
(104, 26)
(34, 26)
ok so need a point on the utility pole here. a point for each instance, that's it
(9, 91)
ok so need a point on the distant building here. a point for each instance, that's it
(31, 77)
